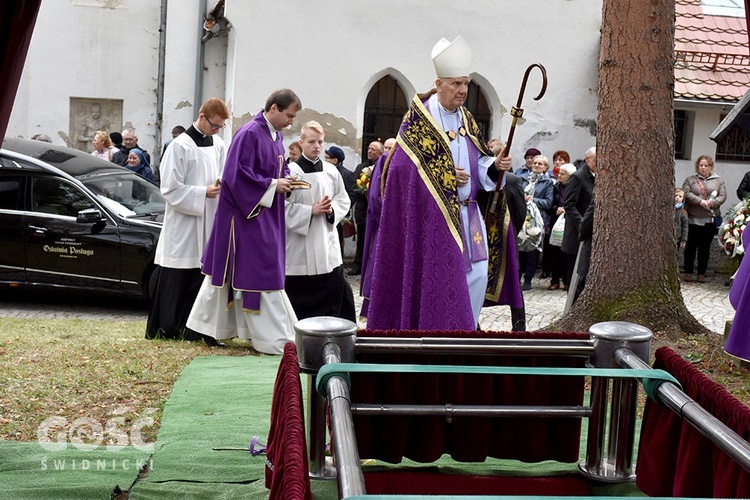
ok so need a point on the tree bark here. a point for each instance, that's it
(634, 269)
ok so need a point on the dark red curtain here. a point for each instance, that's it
(674, 459)
(287, 471)
(410, 482)
(425, 439)
(18, 19)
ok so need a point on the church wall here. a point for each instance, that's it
(93, 50)
(330, 52)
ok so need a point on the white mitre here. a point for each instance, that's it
(451, 59)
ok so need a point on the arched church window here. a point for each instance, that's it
(478, 107)
(384, 109)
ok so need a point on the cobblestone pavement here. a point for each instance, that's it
(708, 302)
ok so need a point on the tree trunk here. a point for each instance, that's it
(634, 270)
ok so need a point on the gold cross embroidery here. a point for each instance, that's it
(478, 238)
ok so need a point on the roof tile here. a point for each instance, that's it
(707, 46)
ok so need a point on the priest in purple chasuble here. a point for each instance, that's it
(432, 258)
(738, 340)
(243, 294)
(372, 228)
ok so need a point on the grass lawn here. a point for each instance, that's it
(89, 372)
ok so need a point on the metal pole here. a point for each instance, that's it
(594, 462)
(478, 346)
(573, 285)
(450, 411)
(714, 429)
(351, 480)
(616, 464)
(320, 468)
(311, 337)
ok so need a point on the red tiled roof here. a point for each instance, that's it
(712, 60)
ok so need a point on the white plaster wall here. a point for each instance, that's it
(329, 52)
(184, 21)
(80, 50)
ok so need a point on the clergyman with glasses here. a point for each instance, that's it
(190, 173)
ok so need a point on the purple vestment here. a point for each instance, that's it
(374, 207)
(419, 273)
(247, 244)
(738, 341)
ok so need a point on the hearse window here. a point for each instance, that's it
(53, 195)
(10, 192)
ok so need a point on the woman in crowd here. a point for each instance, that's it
(704, 194)
(137, 163)
(538, 188)
(557, 259)
(560, 158)
(103, 147)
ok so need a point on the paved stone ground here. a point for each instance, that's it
(708, 302)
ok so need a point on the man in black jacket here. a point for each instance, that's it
(744, 188)
(579, 194)
(130, 141)
(374, 151)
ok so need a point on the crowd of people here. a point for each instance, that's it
(253, 241)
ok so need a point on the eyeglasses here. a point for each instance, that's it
(214, 126)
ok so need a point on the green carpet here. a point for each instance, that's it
(218, 404)
(29, 471)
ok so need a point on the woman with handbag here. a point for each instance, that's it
(705, 192)
(557, 259)
(538, 190)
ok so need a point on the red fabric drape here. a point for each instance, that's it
(287, 471)
(674, 459)
(18, 17)
(425, 439)
(426, 483)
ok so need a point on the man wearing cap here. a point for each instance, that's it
(336, 156)
(432, 256)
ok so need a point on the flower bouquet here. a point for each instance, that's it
(531, 235)
(730, 233)
(363, 183)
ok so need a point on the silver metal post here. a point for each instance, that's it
(351, 480)
(312, 335)
(616, 465)
(594, 461)
(321, 467)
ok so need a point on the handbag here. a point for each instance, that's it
(558, 230)
(349, 228)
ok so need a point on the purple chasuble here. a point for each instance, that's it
(419, 276)
(247, 244)
(738, 340)
(374, 207)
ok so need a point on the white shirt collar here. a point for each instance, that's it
(270, 127)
